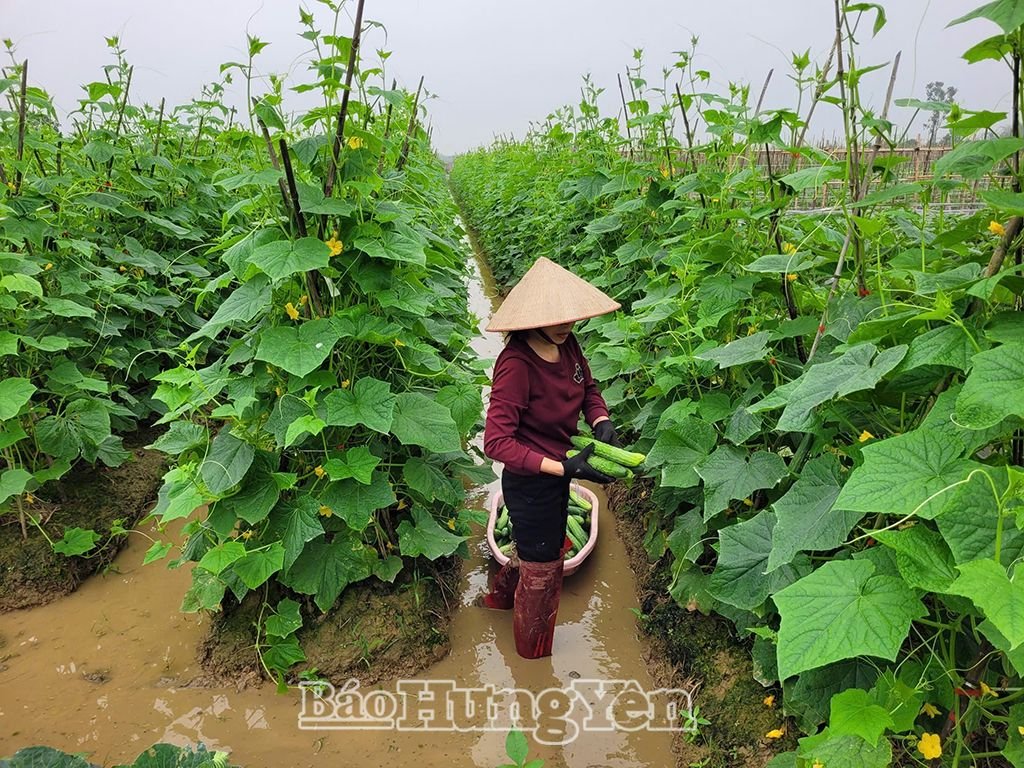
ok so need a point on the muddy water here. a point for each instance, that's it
(112, 668)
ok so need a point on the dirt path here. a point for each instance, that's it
(112, 668)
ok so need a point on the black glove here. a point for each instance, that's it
(605, 432)
(577, 467)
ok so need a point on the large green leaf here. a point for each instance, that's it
(368, 402)
(974, 159)
(860, 367)
(970, 520)
(258, 565)
(986, 584)
(431, 482)
(258, 492)
(745, 349)
(15, 393)
(464, 402)
(425, 536)
(180, 437)
(994, 389)
(855, 712)
(298, 349)
(922, 556)
(247, 302)
(844, 751)
(781, 263)
(283, 258)
(739, 578)
(295, 523)
(420, 420)
(221, 556)
(226, 463)
(76, 541)
(730, 473)
(1008, 14)
(908, 474)
(13, 482)
(83, 423)
(947, 345)
(679, 448)
(357, 463)
(325, 568)
(205, 594)
(43, 757)
(807, 520)
(355, 502)
(842, 610)
(401, 243)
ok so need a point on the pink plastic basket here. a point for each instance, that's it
(568, 566)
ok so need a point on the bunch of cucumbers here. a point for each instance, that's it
(577, 526)
(614, 462)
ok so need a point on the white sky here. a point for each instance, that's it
(497, 65)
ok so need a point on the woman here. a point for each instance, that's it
(541, 383)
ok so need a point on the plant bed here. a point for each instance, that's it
(688, 648)
(31, 572)
(376, 631)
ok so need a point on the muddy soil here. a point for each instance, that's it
(375, 632)
(698, 649)
(31, 573)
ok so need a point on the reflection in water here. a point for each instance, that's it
(112, 668)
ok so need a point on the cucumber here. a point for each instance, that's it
(575, 531)
(610, 468)
(610, 452)
(503, 519)
(579, 501)
(578, 511)
(506, 549)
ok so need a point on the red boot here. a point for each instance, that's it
(502, 595)
(536, 607)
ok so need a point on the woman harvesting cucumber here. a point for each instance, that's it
(541, 384)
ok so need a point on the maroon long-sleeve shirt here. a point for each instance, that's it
(535, 405)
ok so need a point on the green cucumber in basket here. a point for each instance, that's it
(579, 501)
(609, 452)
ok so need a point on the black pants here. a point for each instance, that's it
(538, 507)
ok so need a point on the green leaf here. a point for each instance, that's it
(44, 757)
(993, 390)
(430, 482)
(285, 619)
(680, 447)
(205, 594)
(227, 462)
(970, 520)
(922, 556)
(357, 463)
(178, 497)
(157, 551)
(76, 541)
(21, 284)
(425, 536)
(739, 578)
(401, 244)
(369, 402)
(388, 568)
(745, 349)
(853, 712)
(325, 568)
(808, 178)
(947, 345)
(516, 746)
(258, 492)
(928, 466)
(355, 502)
(283, 654)
(986, 584)
(221, 556)
(464, 402)
(879, 15)
(419, 420)
(974, 159)
(307, 424)
(13, 482)
(1008, 14)
(180, 437)
(248, 301)
(781, 263)
(283, 258)
(298, 349)
(840, 611)
(258, 565)
(807, 520)
(844, 751)
(995, 47)
(730, 473)
(860, 367)
(295, 523)
(15, 393)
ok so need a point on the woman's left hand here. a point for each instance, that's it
(604, 431)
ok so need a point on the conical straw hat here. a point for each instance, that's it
(549, 295)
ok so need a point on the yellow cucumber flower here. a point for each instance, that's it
(777, 733)
(355, 143)
(791, 277)
(326, 511)
(293, 313)
(788, 249)
(335, 245)
(929, 709)
(769, 701)
(930, 746)
(319, 471)
(996, 228)
(865, 436)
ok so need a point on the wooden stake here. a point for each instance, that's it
(281, 184)
(625, 117)
(404, 155)
(339, 133)
(21, 126)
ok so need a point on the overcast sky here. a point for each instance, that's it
(496, 65)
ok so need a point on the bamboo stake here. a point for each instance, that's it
(120, 117)
(339, 133)
(156, 141)
(387, 132)
(281, 184)
(199, 135)
(625, 117)
(300, 224)
(404, 155)
(21, 126)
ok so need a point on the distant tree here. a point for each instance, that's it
(938, 91)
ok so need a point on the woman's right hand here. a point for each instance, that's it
(577, 467)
